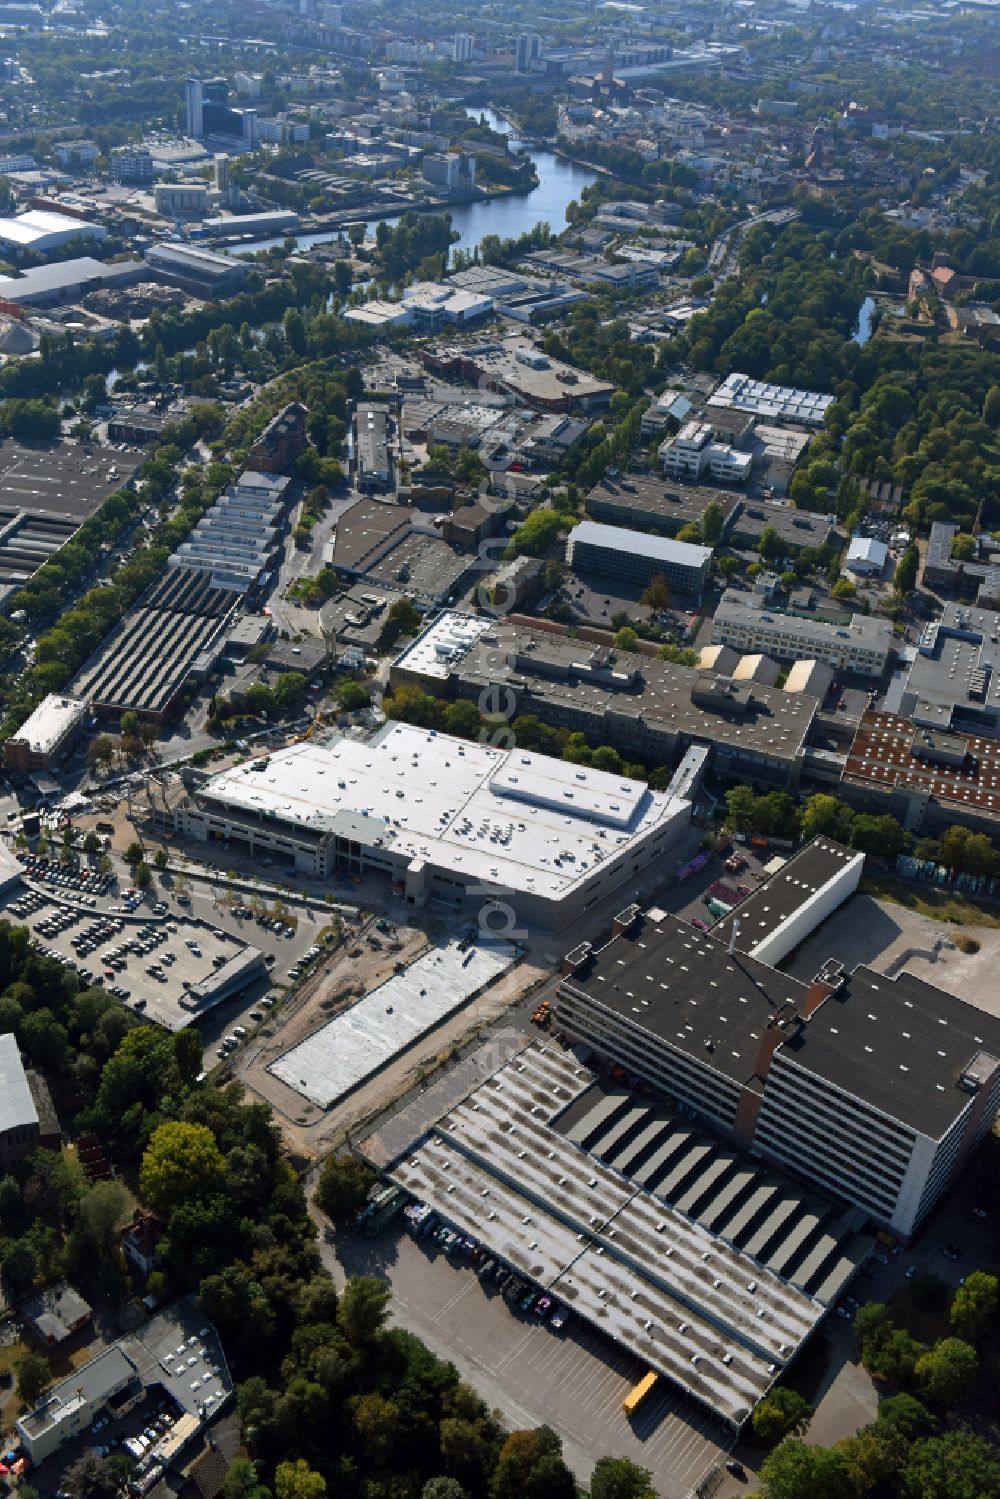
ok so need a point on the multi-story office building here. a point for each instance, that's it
(209, 112)
(462, 47)
(527, 51)
(193, 99)
(635, 557)
(131, 164)
(749, 623)
(875, 1090)
(47, 735)
(694, 453)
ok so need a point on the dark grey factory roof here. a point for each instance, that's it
(773, 902)
(900, 1045)
(687, 989)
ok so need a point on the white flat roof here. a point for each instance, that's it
(743, 393)
(620, 539)
(45, 727)
(867, 549)
(17, 1107)
(444, 643)
(38, 223)
(356, 1044)
(527, 821)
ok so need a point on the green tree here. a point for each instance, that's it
(956, 1465)
(91, 843)
(92, 1477)
(974, 1305)
(344, 1184)
(296, 1480)
(908, 1415)
(33, 1375)
(182, 1161)
(905, 576)
(825, 815)
(363, 1309)
(964, 548)
(782, 1413)
(134, 853)
(626, 639)
(129, 724)
(102, 1211)
(160, 858)
(656, 595)
(795, 1471)
(966, 852)
(947, 1373)
(713, 522)
(740, 804)
(844, 589)
(443, 1488)
(142, 874)
(619, 1478)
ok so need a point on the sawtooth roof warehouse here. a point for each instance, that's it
(445, 819)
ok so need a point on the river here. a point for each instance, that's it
(866, 321)
(559, 182)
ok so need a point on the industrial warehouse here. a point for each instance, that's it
(144, 664)
(698, 1169)
(174, 634)
(637, 1223)
(444, 819)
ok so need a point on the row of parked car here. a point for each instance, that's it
(517, 1291)
(70, 877)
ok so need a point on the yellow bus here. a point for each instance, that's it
(637, 1395)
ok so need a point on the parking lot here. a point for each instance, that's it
(148, 961)
(573, 1380)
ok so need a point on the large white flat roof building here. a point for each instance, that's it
(446, 818)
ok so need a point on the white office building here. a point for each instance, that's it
(693, 454)
(874, 1090)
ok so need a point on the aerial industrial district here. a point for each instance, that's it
(533, 832)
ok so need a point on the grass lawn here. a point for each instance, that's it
(926, 900)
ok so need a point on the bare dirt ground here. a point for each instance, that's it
(355, 970)
(881, 933)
